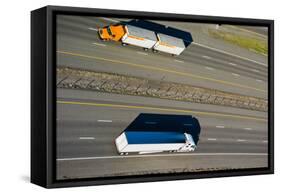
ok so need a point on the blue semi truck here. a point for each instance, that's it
(151, 133)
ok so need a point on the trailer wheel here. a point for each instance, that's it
(155, 51)
(145, 49)
(126, 153)
(124, 44)
(121, 153)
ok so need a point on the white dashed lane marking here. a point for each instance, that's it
(235, 74)
(98, 44)
(94, 29)
(105, 121)
(210, 68)
(233, 64)
(179, 61)
(211, 139)
(111, 20)
(206, 57)
(86, 138)
(255, 70)
(142, 53)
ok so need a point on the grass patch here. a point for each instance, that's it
(250, 43)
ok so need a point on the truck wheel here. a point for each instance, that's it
(124, 44)
(121, 153)
(145, 49)
(155, 51)
(126, 153)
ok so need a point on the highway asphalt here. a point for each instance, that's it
(87, 126)
(260, 31)
(79, 46)
(88, 122)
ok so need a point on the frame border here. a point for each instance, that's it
(52, 11)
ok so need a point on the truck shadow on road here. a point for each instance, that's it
(159, 28)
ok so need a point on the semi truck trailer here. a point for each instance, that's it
(128, 34)
(147, 39)
(152, 133)
(169, 44)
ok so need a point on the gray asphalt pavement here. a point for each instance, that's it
(196, 66)
(88, 122)
(86, 134)
(262, 31)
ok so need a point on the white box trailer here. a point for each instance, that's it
(151, 142)
(150, 133)
(139, 37)
(169, 44)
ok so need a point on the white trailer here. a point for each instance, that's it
(169, 44)
(126, 143)
(139, 37)
(150, 133)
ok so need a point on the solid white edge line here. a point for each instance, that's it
(241, 140)
(248, 128)
(218, 50)
(164, 155)
(249, 31)
(220, 126)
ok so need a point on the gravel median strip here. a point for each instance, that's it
(128, 85)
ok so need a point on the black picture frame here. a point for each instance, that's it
(43, 95)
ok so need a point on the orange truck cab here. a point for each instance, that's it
(112, 32)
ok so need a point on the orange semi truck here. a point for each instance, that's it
(112, 32)
(147, 39)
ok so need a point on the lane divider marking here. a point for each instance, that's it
(105, 121)
(87, 138)
(162, 109)
(94, 29)
(163, 70)
(164, 155)
(231, 54)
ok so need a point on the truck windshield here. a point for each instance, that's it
(109, 31)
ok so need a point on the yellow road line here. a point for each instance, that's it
(161, 109)
(163, 70)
